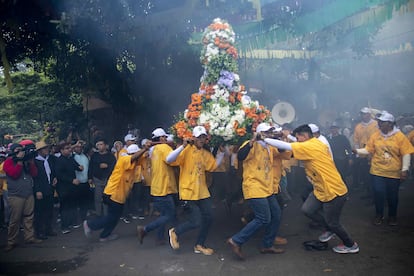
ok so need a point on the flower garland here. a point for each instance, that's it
(221, 104)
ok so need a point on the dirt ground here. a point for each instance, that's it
(384, 250)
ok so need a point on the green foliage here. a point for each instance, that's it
(218, 63)
(36, 100)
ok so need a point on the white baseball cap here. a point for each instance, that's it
(144, 141)
(365, 110)
(386, 117)
(277, 128)
(314, 128)
(199, 130)
(131, 149)
(263, 127)
(130, 137)
(158, 132)
(170, 138)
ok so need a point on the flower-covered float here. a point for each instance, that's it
(221, 104)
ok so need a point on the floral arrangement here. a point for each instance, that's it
(221, 105)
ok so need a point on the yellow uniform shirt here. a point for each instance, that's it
(146, 169)
(278, 169)
(122, 152)
(363, 132)
(258, 171)
(163, 181)
(121, 180)
(410, 137)
(320, 169)
(3, 182)
(193, 164)
(387, 154)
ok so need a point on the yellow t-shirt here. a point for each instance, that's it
(121, 180)
(320, 169)
(163, 180)
(193, 164)
(387, 154)
(278, 169)
(410, 137)
(362, 133)
(3, 181)
(146, 170)
(258, 172)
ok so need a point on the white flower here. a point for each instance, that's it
(246, 100)
(236, 77)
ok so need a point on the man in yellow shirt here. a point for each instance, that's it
(116, 191)
(362, 132)
(324, 204)
(259, 192)
(391, 155)
(163, 186)
(194, 161)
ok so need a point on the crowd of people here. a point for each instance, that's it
(132, 180)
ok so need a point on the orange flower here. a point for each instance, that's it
(241, 131)
(236, 124)
(196, 98)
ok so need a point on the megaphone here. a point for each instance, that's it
(283, 112)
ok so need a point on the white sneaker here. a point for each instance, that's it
(86, 230)
(343, 249)
(326, 236)
(109, 238)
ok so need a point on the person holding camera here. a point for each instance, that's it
(20, 170)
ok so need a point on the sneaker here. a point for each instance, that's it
(33, 241)
(342, 249)
(392, 221)
(235, 248)
(141, 217)
(378, 220)
(109, 238)
(141, 233)
(125, 220)
(201, 249)
(76, 226)
(134, 217)
(86, 230)
(280, 241)
(326, 236)
(173, 239)
(65, 231)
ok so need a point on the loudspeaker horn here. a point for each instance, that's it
(283, 112)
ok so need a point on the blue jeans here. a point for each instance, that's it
(200, 217)
(166, 206)
(385, 188)
(266, 214)
(107, 222)
(328, 214)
